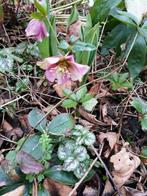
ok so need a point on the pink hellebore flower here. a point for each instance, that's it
(63, 69)
(36, 29)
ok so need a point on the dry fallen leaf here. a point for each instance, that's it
(111, 137)
(89, 191)
(90, 117)
(55, 188)
(59, 88)
(17, 192)
(124, 164)
(74, 29)
(11, 132)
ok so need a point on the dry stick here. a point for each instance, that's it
(106, 169)
(81, 180)
(14, 100)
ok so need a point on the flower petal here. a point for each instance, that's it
(50, 75)
(62, 78)
(36, 29)
(78, 71)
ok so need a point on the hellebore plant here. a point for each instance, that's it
(37, 30)
(63, 69)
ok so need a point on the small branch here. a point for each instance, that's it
(106, 169)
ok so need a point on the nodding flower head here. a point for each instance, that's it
(37, 30)
(63, 69)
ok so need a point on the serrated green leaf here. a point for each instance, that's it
(139, 105)
(61, 124)
(80, 153)
(87, 97)
(81, 93)
(70, 164)
(34, 117)
(67, 92)
(69, 103)
(90, 104)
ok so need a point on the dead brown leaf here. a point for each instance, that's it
(124, 164)
(11, 132)
(90, 117)
(17, 192)
(59, 88)
(107, 119)
(89, 191)
(74, 29)
(52, 113)
(111, 137)
(23, 119)
(56, 188)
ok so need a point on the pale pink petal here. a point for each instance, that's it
(53, 60)
(78, 71)
(48, 63)
(83, 69)
(36, 29)
(62, 78)
(70, 58)
(50, 75)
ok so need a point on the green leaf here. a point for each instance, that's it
(116, 38)
(82, 46)
(90, 36)
(61, 124)
(64, 45)
(87, 97)
(80, 153)
(53, 43)
(33, 147)
(137, 57)
(124, 17)
(73, 17)
(90, 104)
(4, 178)
(144, 151)
(44, 47)
(144, 124)
(139, 105)
(34, 117)
(40, 7)
(65, 149)
(22, 85)
(69, 103)
(68, 93)
(37, 15)
(58, 175)
(8, 188)
(70, 164)
(6, 64)
(81, 93)
(101, 8)
(43, 193)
